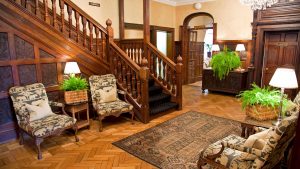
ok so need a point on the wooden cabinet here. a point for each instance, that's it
(234, 83)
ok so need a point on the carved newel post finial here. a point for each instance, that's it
(110, 31)
(144, 62)
(179, 60)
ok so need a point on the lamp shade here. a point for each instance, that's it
(215, 47)
(240, 47)
(284, 78)
(71, 68)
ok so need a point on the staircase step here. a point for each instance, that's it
(159, 98)
(153, 90)
(162, 107)
(151, 82)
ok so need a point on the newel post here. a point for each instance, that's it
(179, 82)
(109, 39)
(144, 76)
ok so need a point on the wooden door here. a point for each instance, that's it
(280, 49)
(195, 58)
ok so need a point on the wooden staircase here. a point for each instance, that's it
(152, 81)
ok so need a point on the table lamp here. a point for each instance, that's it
(284, 78)
(71, 68)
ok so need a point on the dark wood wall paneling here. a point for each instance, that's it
(281, 17)
(24, 61)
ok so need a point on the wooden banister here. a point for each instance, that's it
(161, 56)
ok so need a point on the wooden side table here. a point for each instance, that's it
(77, 108)
(248, 125)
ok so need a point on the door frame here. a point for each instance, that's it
(259, 51)
(184, 37)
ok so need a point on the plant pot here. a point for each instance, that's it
(261, 113)
(77, 96)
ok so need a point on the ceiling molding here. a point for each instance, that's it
(178, 3)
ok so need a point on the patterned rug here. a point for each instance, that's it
(177, 143)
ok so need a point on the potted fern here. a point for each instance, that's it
(261, 103)
(75, 90)
(224, 62)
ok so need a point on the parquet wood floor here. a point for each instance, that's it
(95, 149)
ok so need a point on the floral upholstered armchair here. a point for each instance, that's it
(35, 116)
(264, 149)
(105, 98)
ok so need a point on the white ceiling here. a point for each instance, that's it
(181, 2)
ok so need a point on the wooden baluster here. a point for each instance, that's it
(173, 82)
(129, 53)
(160, 69)
(151, 63)
(37, 9)
(47, 17)
(119, 70)
(62, 14)
(54, 14)
(91, 26)
(77, 26)
(84, 30)
(97, 40)
(154, 65)
(124, 74)
(115, 64)
(164, 74)
(70, 20)
(103, 45)
(28, 5)
(18, 2)
(129, 80)
(138, 86)
(168, 77)
(133, 82)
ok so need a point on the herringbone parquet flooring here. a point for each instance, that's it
(95, 149)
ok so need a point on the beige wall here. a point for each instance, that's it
(109, 9)
(232, 18)
(162, 14)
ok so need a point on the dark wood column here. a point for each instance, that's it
(121, 19)
(146, 20)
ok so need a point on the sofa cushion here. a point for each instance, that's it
(111, 108)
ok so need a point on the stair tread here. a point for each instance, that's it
(154, 90)
(155, 109)
(157, 97)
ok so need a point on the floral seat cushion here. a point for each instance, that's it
(110, 108)
(48, 125)
(230, 158)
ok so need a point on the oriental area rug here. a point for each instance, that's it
(176, 143)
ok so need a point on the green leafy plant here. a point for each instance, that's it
(265, 96)
(74, 83)
(224, 62)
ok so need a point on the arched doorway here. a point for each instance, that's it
(196, 29)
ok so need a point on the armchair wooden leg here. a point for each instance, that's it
(132, 116)
(100, 124)
(21, 139)
(75, 128)
(200, 163)
(38, 142)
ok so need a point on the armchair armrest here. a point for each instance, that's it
(57, 104)
(242, 148)
(122, 93)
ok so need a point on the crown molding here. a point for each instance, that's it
(187, 2)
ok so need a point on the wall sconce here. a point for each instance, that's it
(72, 68)
(241, 49)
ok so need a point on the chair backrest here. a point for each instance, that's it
(28, 94)
(277, 142)
(297, 99)
(100, 82)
